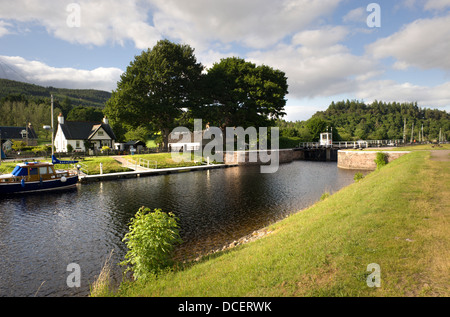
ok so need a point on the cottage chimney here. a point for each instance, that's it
(60, 119)
(105, 120)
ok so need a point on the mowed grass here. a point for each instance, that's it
(396, 217)
(165, 160)
(89, 165)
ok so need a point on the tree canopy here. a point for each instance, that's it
(155, 88)
(239, 93)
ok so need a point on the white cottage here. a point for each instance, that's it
(83, 136)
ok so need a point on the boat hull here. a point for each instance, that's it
(38, 186)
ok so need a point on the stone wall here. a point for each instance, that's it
(364, 160)
(243, 157)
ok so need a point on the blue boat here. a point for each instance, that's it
(36, 177)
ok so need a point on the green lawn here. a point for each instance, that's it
(90, 165)
(421, 147)
(396, 217)
(164, 160)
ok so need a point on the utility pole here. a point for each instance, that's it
(423, 139)
(53, 150)
(404, 133)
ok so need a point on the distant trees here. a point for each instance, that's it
(81, 113)
(379, 120)
(20, 113)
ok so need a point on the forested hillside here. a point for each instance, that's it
(353, 120)
(77, 97)
(21, 103)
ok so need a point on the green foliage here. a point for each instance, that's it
(358, 176)
(384, 120)
(140, 133)
(325, 196)
(242, 94)
(289, 142)
(154, 89)
(151, 239)
(82, 113)
(18, 145)
(41, 148)
(65, 99)
(381, 159)
(69, 148)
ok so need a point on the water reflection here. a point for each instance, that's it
(41, 234)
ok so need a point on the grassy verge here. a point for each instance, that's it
(90, 165)
(421, 147)
(164, 160)
(396, 217)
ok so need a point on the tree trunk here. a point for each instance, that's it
(165, 134)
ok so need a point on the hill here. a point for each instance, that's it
(77, 97)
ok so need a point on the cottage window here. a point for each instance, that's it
(77, 144)
(100, 133)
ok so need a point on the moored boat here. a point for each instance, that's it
(35, 177)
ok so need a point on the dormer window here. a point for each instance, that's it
(100, 133)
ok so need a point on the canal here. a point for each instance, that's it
(41, 234)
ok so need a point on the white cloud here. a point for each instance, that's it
(251, 23)
(355, 15)
(436, 4)
(3, 28)
(314, 69)
(39, 73)
(320, 38)
(102, 21)
(390, 90)
(424, 43)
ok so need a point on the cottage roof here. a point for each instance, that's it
(14, 133)
(80, 130)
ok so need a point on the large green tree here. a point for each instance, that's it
(239, 93)
(155, 89)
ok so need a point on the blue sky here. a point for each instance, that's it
(326, 47)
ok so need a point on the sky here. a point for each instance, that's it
(330, 50)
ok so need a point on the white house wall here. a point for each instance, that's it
(60, 141)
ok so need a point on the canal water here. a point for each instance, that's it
(41, 234)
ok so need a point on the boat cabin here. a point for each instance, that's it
(34, 171)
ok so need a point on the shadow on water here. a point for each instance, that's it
(40, 235)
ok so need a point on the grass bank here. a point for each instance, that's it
(164, 160)
(90, 165)
(396, 217)
(420, 147)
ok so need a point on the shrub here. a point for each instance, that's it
(381, 159)
(151, 239)
(325, 196)
(358, 176)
